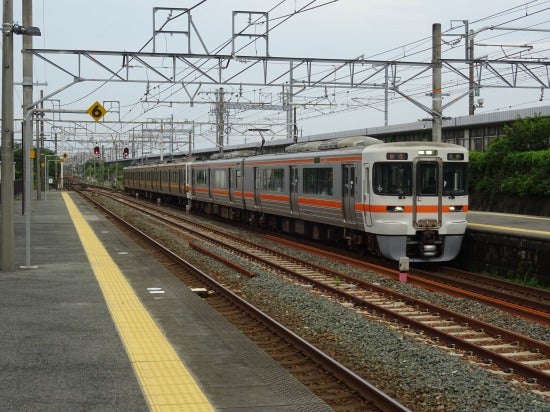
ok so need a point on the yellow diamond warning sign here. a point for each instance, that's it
(97, 111)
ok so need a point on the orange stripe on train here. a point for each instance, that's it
(406, 208)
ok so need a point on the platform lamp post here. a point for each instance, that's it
(6, 192)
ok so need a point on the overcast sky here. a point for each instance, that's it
(343, 29)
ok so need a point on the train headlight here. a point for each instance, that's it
(455, 208)
(395, 209)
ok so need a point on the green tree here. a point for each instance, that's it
(515, 165)
(529, 133)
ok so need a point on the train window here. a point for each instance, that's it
(427, 176)
(318, 181)
(199, 177)
(455, 180)
(392, 178)
(273, 180)
(220, 179)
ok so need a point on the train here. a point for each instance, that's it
(400, 199)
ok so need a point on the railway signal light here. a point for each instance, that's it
(125, 152)
(97, 152)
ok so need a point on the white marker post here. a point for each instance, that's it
(403, 269)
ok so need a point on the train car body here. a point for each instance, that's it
(216, 187)
(394, 199)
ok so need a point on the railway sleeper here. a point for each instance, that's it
(424, 318)
(479, 341)
(538, 362)
(501, 346)
(523, 354)
(451, 328)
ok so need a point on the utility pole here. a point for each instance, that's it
(40, 148)
(161, 141)
(436, 82)
(386, 96)
(37, 161)
(287, 101)
(171, 136)
(7, 139)
(28, 87)
(470, 56)
(219, 117)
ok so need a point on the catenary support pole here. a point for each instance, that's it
(7, 197)
(436, 82)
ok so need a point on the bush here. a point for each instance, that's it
(529, 134)
(513, 173)
(515, 165)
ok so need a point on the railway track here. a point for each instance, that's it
(527, 302)
(287, 347)
(514, 354)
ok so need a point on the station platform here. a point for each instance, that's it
(526, 226)
(95, 323)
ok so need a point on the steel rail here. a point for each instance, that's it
(524, 307)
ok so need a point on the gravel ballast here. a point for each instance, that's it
(421, 376)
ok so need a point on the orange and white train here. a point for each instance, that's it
(405, 199)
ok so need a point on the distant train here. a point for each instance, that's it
(391, 199)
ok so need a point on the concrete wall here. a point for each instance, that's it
(512, 257)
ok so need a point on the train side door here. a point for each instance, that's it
(188, 188)
(366, 196)
(230, 184)
(348, 192)
(293, 189)
(209, 180)
(238, 181)
(257, 180)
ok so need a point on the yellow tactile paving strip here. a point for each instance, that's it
(165, 382)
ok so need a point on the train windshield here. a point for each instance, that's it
(392, 178)
(455, 179)
(427, 176)
(395, 178)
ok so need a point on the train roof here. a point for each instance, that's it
(417, 145)
(333, 144)
(409, 144)
(337, 147)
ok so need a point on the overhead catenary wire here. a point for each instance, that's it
(411, 49)
(498, 14)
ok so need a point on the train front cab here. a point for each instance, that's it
(416, 199)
